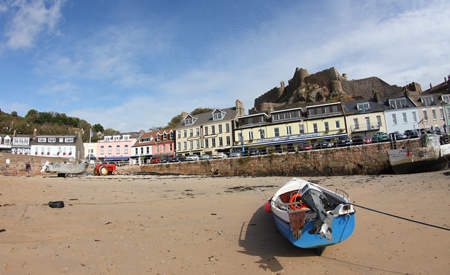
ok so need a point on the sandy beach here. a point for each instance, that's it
(202, 225)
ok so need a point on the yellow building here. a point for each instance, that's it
(208, 133)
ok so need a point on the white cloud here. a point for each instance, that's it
(29, 19)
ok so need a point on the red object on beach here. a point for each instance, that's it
(267, 207)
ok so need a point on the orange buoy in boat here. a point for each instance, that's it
(267, 207)
(297, 197)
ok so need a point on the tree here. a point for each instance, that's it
(201, 111)
(14, 113)
(110, 131)
(98, 128)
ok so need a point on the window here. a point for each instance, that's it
(116, 138)
(398, 103)
(157, 148)
(179, 134)
(379, 121)
(218, 116)
(164, 136)
(319, 111)
(68, 140)
(335, 109)
(228, 141)
(142, 150)
(220, 128)
(102, 150)
(157, 137)
(425, 115)
(42, 139)
(356, 123)
(118, 149)
(188, 121)
(250, 135)
(179, 146)
(311, 112)
(316, 130)
(276, 132)
(198, 144)
(262, 133)
(414, 116)
(275, 117)
(363, 107)
(338, 124)
(394, 119)
(213, 130)
(135, 150)
(227, 127)
(164, 147)
(292, 114)
(220, 141)
(326, 126)
(206, 143)
(367, 123)
(301, 129)
(446, 98)
(250, 120)
(110, 149)
(433, 113)
(297, 114)
(191, 132)
(327, 110)
(427, 101)
(288, 130)
(185, 133)
(240, 137)
(126, 138)
(171, 135)
(170, 147)
(197, 131)
(148, 150)
(126, 149)
(51, 139)
(442, 113)
(206, 130)
(261, 119)
(185, 145)
(405, 119)
(191, 144)
(213, 142)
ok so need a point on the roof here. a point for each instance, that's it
(152, 136)
(206, 118)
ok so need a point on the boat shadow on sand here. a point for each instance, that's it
(261, 237)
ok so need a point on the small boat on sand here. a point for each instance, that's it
(65, 169)
(311, 216)
(431, 156)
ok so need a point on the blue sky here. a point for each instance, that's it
(130, 65)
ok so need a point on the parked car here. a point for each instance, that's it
(154, 160)
(219, 155)
(380, 136)
(205, 157)
(321, 144)
(253, 152)
(192, 158)
(425, 131)
(236, 153)
(397, 136)
(361, 139)
(303, 146)
(177, 159)
(343, 141)
(164, 160)
(411, 133)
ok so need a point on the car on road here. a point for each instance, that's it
(219, 155)
(177, 159)
(322, 144)
(380, 136)
(236, 153)
(253, 152)
(397, 136)
(304, 146)
(192, 158)
(205, 157)
(361, 139)
(411, 133)
(164, 160)
(154, 160)
(343, 141)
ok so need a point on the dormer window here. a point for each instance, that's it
(218, 115)
(42, 139)
(363, 107)
(189, 120)
(446, 98)
(69, 140)
(51, 139)
(398, 103)
(164, 136)
(116, 138)
(107, 139)
(126, 138)
(157, 137)
(427, 101)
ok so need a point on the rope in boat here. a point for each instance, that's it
(422, 223)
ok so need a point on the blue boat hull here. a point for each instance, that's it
(343, 227)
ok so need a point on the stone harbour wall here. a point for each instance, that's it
(353, 160)
(17, 163)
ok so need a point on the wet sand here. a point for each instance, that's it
(202, 225)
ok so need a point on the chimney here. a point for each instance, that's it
(34, 133)
(14, 134)
(431, 86)
(240, 108)
(184, 114)
(377, 96)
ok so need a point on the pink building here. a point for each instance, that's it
(160, 143)
(116, 147)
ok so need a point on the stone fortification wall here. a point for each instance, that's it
(353, 160)
(366, 87)
(17, 163)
